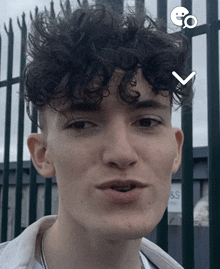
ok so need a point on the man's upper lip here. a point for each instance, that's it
(120, 183)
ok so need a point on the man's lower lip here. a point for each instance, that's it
(123, 197)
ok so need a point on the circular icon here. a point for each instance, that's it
(178, 14)
(190, 26)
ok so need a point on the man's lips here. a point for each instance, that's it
(121, 191)
(120, 183)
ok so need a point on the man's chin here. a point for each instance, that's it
(126, 234)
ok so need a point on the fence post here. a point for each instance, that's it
(117, 5)
(187, 172)
(0, 53)
(140, 8)
(33, 179)
(48, 196)
(162, 227)
(7, 133)
(213, 132)
(17, 228)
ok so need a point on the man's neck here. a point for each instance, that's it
(74, 249)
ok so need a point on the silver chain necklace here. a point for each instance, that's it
(42, 257)
(43, 260)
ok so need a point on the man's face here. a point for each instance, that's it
(94, 153)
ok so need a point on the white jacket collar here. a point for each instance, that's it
(20, 252)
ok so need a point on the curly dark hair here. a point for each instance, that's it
(72, 50)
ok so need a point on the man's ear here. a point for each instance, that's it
(39, 156)
(179, 141)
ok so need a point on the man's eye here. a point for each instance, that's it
(149, 122)
(80, 125)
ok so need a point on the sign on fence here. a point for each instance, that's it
(175, 200)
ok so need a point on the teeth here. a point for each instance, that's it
(123, 189)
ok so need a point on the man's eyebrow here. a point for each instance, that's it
(83, 107)
(148, 104)
(97, 107)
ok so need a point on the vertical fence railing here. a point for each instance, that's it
(139, 7)
(187, 171)
(162, 227)
(211, 29)
(0, 53)
(10, 35)
(20, 140)
(33, 180)
(33, 172)
(213, 132)
(48, 196)
(117, 5)
(48, 181)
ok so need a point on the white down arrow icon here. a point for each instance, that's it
(183, 81)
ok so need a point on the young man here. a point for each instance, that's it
(103, 86)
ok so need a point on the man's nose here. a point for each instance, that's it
(119, 150)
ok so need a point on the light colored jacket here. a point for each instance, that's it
(20, 252)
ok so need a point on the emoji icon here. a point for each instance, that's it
(177, 15)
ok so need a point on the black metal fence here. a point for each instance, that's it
(210, 29)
